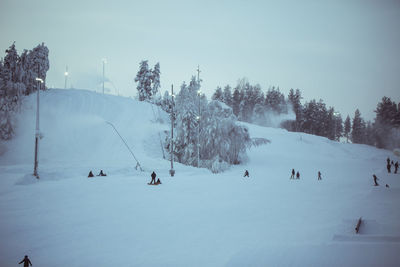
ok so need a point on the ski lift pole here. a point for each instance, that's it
(137, 162)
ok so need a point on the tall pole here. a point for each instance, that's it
(172, 171)
(199, 118)
(37, 132)
(66, 77)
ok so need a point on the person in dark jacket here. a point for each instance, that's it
(102, 173)
(319, 175)
(246, 174)
(388, 166)
(26, 261)
(158, 181)
(153, 178)
(297, 175)
(293, 173)
(388, 160)
(396, 166)
(90, 174)
(375, 180)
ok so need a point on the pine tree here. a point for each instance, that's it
(338, 127)
(347, 128)
(143, 78)
(294, 99)
(155, 79)
(227, 96)
(236, 99)
(217, 94)
(358, 131)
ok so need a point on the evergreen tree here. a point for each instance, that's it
(347, 127)
(227, 96)
(358, 129)
(385, 123)
(218, 95)
(294, 99)
(143, 78)
(155, 79)
(236, 99)
(338, 127)
(275, 101)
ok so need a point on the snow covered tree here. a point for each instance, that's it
(358, 129)
(155, 79)
(39, 62)
(143, 78)
(217, 94)
(236, 99)
(275, 101)
(294, 100)
(11, 62)
(386, 123)
(347, 127)
(338, 127)
(227, 95)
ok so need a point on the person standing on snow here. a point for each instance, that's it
(319, 175)
(388, 166)
(26, 261)
(153, 178)
(293, 173)
(297, 175)
(396, 166)
(246, 174)
(375, 180)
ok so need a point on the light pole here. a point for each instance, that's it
(37, 132)
(198, 131)
(172, 171)
(66, 77)
(104, 63)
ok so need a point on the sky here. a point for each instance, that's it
(344, 52)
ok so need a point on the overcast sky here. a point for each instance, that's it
(344, 52)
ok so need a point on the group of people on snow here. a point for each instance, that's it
(153, 179)
(390, 164)
(296, 175)
(100, 174)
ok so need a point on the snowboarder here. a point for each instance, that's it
(246, 173)
(297, 175)
(396, 166)
(319, 175)
(153, 178)
(375, 180)
(293, 173)
(26, 261)
(102, 173)
(90, 174)
(388, 166)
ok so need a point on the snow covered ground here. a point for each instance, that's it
(195, 218)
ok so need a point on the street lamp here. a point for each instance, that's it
(198, 130)
(104, 63)
(172, 171)
(66, 77)
(37, 132)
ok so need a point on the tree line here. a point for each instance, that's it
(18, 75)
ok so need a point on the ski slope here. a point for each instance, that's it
(195, 218)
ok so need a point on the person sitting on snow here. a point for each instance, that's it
(102, 173)
(90, 174)
(158, 181)
(293, 173)
(297, 175)
(246, 174)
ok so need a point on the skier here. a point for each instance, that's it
(396, 166)
(246, 173)
(102, 173)
(293, 172)
(26, 261)
(153, 178)
(388, 166)
(375, 180)
(297, 175)
(388, 160)
(319, 175)
(90, 174)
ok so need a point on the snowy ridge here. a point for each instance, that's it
(195, 218)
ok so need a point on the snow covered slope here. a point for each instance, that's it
(195, 218)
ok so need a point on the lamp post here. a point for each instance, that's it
(104, 63)
(66, 77)
(37, 132)
(198, 130)
(172, 171)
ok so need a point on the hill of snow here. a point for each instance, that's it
(195, 218)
